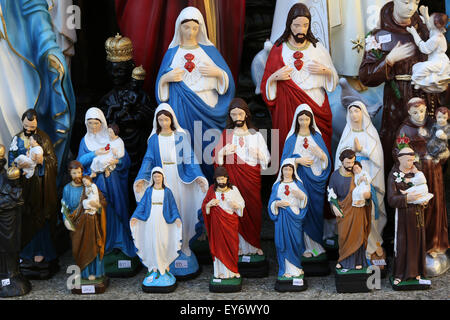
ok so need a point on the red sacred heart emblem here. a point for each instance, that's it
(107, 147)
(298, 64)
(223, 196)
(189, 65)
(298, 55)
(286, 192)
(305, 143)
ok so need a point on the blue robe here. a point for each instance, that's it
(316, 187)
(29, 30)
(71, 197)
(115, 190)
(188, 169)
(288, 231)
(144, 207)
(189, 107)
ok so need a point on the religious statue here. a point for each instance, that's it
(196, 82)
(40, 208)
(353, 224)
(409, 242)
(432, 75)
(288, 209)
(157, 231)
(221, 208)
(243, 152)
(299, 70)
(361, 136)
(34, 75)
(29, 160)
(389, 57)
(127, 104)
(437, 145)
(169, 148)
(305, 145)
(13, 283)
(415, 129)
(84, 213)
(120, 254)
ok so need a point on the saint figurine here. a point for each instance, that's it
(416, 129)
(222, 207)
(39, 193)
(299, 70)
(353, 223)
(34, 74)
(11, 207)
(243, 152)
(196, 82)
(120, 256)
(84, 214)
(169, 148)
(409, 241)
(304, 144)
(288, 209)
(156, 226)
(361, 136)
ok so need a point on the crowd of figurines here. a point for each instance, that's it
(186, 203)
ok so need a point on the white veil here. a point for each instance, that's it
(100, 139)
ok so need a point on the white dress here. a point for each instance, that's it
(34, 151)
(157, 242)
(100, 163)
(295, 205)
(92, 194)
(313, 85)
(207, 88)
(360, 189)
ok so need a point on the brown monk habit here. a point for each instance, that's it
(89, 237)
(353, 229)
(409, 243)
(375, 71)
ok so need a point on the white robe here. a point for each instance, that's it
(100, 163)
(157, 242)
(92, 194)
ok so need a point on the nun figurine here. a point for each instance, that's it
(288, 208)
(157, 232)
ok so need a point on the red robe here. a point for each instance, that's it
(247, 179)
(222, 231)
(289, 97)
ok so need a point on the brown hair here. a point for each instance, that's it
(114, 128)
(168, 114)
(440, 20)
(87, 178)
(221, 171)
(311, 124)
(347, 154)
(443, 110)
(415, 102)
(240, 104)
(74, 164)
(293, 172)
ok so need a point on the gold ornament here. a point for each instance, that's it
(119, 49)
(2, 151)
(13, 173)
(358, 44)
(139, 73)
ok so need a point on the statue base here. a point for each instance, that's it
(411, 285)
(331, 245)
(155, 282)
(225, 285)
(38, 270)
(316, 266)
(201, 251)
(96, 286)
(293, 284)
(253, 266)
(185, 267)
(381, 262)
(437, 266)
(351, 280)
(119, 265)
(15, 286)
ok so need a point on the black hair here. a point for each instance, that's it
(37, 138)
(168, 114)
(347, 154)
(293, 172)
(311, 124)
(153, 181)
(187, 20)
(30, 114)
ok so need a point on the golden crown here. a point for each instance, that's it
(139, 73)
(13, 173)
(119, 49)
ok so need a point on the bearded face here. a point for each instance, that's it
(299, 29)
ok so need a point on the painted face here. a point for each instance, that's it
(94, 126)
(86, 182)
(238, 116)
(164, 121)
(441, 119)
(287, 172)
(405, 9)
(222, 181)
(356, 169)
(355, 115)
(299, 28)
(189, 31)
(406, 161)
(76, 175)
(304, 121)
(158, 178)
(418, 113)
(29, 127)
(119, 73)
(111, 134)
(348, 164)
